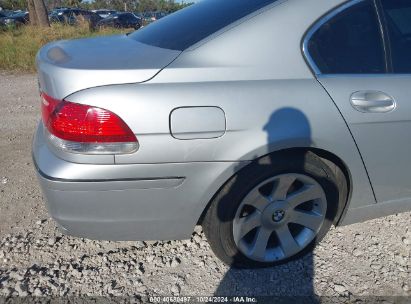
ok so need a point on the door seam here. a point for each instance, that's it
(355, 142)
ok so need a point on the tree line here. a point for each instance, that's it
(135, 5)
(120, 5)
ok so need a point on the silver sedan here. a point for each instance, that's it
(265, 121)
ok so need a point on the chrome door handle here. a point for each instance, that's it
(372, 102)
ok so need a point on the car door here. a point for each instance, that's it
(130, 20)
(127, 20)
(351, 54)
(122, 21)
(133, 21)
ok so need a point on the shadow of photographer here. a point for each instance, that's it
(292, 278)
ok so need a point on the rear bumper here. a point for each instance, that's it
(126, 202)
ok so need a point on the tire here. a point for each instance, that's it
(226, 216)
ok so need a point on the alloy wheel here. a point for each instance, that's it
(279, 218)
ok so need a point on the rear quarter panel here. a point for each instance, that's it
(261, 117)
(269, 96)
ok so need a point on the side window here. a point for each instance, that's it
(349, 43)
(398, 18)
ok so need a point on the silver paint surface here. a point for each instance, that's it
(256, 73)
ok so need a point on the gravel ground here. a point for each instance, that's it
(367, 259)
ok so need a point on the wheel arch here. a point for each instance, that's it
(329, 158)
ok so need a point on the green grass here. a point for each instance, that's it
(19, 46)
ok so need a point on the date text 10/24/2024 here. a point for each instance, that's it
(181, 299)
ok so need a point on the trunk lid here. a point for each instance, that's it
(68, 66)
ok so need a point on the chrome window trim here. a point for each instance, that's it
(317, 26)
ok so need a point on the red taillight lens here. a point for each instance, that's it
(85, 128)
(48, 104)
(82, 123)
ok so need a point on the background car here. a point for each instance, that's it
(15, 19)
(104, 13)
(148, 17)
(73, 16)
(121, 20)
(5, 13)
(266, 124)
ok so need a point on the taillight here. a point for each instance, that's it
(48, 104)
(86, 129)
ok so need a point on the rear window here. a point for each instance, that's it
(188, 26)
